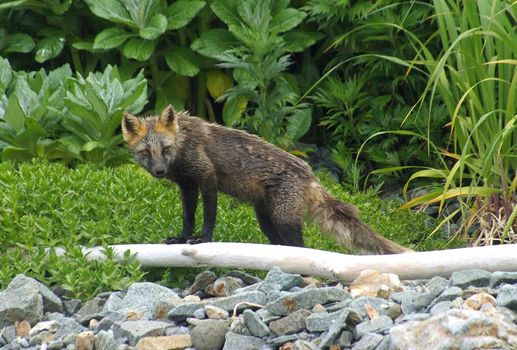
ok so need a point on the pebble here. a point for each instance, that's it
(473, 309)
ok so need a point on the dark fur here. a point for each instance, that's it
(207, 158)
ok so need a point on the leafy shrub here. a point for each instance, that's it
(49, 205)
(361, 93)
(57, 116)
(257, 44)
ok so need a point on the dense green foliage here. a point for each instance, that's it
(420, 94)
(49, 205)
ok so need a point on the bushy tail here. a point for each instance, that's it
(341, 220)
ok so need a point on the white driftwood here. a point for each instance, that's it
(314, 262)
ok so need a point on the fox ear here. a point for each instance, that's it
(132, 127)
(167, 120)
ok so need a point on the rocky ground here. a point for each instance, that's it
(473, 309)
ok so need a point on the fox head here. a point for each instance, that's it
(153, 140)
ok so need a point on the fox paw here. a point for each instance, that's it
(175, 240)
(185, 240)
(197, 240)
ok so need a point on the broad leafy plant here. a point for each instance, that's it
(58, 116)
(93, 111)
(28, 113)
(151, 32)
(257, 45)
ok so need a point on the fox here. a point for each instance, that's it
(207, 158)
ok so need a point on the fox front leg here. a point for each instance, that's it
(189, 195)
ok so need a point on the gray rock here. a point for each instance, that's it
(303, 345)
(22, 302)
(293, 323)
(57, 345)
(266, 316)
(235, 341)
(224, 286)
(413, 301)
(135, 330)
(277, 280)
(335, 328)
(201, 281)
(68, 326)
(345, 339)
(306, 300)
(71, 306)
(51, 303)
(144, 296)
(108, 321)
(199, 314)
(441, 307)
(368, 342)
(384, 344)
(382, 306)
(321, 321)
(246, 277)
(90, 309)
(449, 294)
(507, 297)
(375, 325)
(436, 285)
(41, 337)
(114, 303)
(279, 341)
(453, 329)
(215, 312)
(500, 277)
(209, 334)
(105, 340)
(254, 324)
(8, 334)
(182, 311)
(419, 316)
(473, 277)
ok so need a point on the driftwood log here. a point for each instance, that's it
(340, 267)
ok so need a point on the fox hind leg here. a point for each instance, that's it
(280, 221)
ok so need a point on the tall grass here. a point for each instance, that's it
(475, 76)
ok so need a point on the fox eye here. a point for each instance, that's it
(144, 152)
(166, 149)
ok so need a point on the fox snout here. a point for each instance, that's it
(159, 170)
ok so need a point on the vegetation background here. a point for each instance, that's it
(412, 100)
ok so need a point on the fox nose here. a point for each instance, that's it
(160, 172)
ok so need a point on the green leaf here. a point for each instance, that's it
(49, 48)
(181, 60)
(110, 38)
(138, 49)
(226, 10)
(180, 13)
(156, 27)
(83, 45)
(299, 123)
(14, 115)
(5, 73)
(233, 110)
(61, 7)
(298, 40)
(20, 42)
(217, 82)
(286, 19)
(214, 42)
(111, 10)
